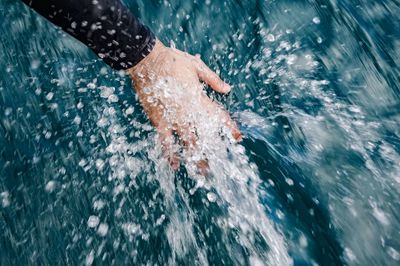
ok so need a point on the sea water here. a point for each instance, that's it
(315, 181)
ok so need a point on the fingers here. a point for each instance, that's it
(168, 146)
(236, 134)
(215, 108)
(187, 136)
(188, 140)
(211, 78)
(202, 167)
(193, 155)
(171, 150)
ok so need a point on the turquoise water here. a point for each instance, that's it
(316, 180)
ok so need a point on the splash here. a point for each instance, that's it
(228, 203)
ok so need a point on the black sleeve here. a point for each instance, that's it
(105, 26)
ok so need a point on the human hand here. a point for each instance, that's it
(167, 82)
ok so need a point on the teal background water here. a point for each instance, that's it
(315, 93)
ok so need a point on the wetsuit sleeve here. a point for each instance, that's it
(105, 26)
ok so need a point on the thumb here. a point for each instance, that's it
(211, 78)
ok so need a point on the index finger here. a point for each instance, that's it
(211, 78)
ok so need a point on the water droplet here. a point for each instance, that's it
(35, 64)
(380, 216)
(99, 164)
(50, 186)
(103, 229)
(350, 254)
(49, 96)
(316, 20)
(113, 98)
(93, 221)
(8, 111)
(270, 37)
(106, 91)
(303, 241)
(394, 254)
(5, 199)
(211, 197)
(98, 205)
(291, 59)
(91, 86)
(103, 71)
(289, 181)
(77, 120)
(129, 110)
(160, 220)
(89, 258)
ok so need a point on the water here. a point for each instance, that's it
(316, 179)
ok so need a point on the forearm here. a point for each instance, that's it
(105, 26)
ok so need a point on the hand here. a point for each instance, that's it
(167, 82)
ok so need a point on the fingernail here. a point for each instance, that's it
(227, 88)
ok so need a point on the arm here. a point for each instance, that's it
(105, 26)
(115, 35)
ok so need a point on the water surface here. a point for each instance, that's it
(316, 180)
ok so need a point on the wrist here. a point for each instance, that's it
(139, 70)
